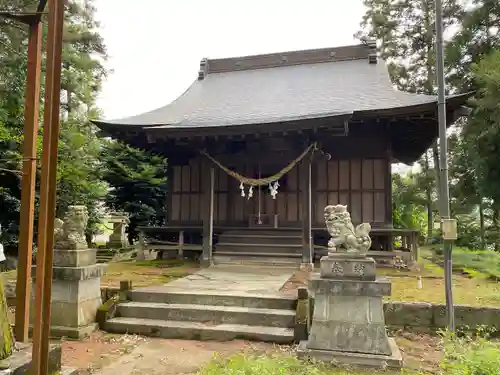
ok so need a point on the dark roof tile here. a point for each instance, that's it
(266, 88)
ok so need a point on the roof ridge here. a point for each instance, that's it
(366, 50)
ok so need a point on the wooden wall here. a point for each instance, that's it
(186, 196)
(359, 183)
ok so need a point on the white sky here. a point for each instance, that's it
(155, 46)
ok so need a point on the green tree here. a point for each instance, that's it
(483, 128)
(79, 180)
(406, 40)
(138, 184)
(477, 37)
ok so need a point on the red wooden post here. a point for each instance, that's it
(41, 333)
(23, 285)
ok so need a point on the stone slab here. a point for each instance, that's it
(233, 278)
(346, 336)
(74, 258)
(340, 267)
(76, 273)
(199, 330)
(72, 314)
(19, 363)
(393, 361)
(58, 332)
(377, 288)
(76, 290)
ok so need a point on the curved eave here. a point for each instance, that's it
(111, 128)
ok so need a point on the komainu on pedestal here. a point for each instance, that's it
(348, 322)
(76, 284)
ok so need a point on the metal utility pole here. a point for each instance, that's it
(444, 195)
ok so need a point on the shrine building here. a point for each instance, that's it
(257, 146)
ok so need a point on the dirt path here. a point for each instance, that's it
(135, 355)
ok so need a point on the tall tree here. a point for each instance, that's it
(406, 40)
(83, 54)
(477, 37)
(484, 129)
(138, 184)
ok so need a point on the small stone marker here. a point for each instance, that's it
(348, 322)
(118, 239)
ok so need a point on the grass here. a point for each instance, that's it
(423, 354)
(141, 273)
(147, 273)
(273, 364)
(474, 290)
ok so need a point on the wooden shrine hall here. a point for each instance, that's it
(257, 146)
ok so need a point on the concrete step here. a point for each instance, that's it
(237, 253)
(259, 248)
(264, 232)
(213, 299)
(198, 331)
(260, 239)
(208, 314)
(268, 259)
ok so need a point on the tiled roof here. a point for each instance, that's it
(281, 87)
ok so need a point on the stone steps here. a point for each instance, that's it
(205, 316)
(258, 248)
(199, 331)
(214, 299)
(253, 259)
(208, 313)
(262, 239)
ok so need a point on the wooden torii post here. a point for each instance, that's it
(31, 106)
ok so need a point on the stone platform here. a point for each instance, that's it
(19, 363)
(394, 360)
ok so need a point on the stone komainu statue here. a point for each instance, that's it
(344, 237)
(70, 233)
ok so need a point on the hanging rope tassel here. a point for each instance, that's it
(242, 188)
(262, 181)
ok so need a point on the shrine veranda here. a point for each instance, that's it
(266, 142)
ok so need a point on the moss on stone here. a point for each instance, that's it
(6, 336)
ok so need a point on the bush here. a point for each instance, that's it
(470, 356)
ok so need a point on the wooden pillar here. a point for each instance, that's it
(388, 246)
(208, 181)
(41, 333)
(23, 286)
(180, 250)
(306, 192)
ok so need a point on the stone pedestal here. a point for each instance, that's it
(76, 292)
(348, 322)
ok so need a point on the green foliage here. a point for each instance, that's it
(470, 356)
(79, 180)
(409, 202)
(138, 184)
